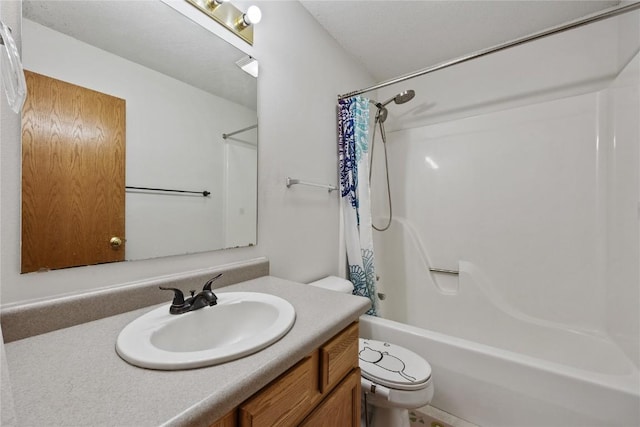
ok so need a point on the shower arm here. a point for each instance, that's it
(376, 103)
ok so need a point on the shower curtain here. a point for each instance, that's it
(353, 149)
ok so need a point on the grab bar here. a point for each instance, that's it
(444, 271)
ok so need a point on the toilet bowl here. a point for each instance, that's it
(393, 378)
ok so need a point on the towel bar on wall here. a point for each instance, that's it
(294, 181)
(164, 190)
(444, 271)
(227, 135)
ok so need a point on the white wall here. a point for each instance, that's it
(302, 69)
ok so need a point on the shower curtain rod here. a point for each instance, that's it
(497, 48)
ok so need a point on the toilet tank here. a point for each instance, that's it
(334, 283)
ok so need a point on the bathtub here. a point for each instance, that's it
(495, 387)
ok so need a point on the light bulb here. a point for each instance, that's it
(253, 16)
(212, 4)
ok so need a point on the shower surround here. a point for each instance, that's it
(520, 170)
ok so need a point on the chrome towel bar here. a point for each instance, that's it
(294, 181)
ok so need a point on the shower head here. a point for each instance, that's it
(400, 98)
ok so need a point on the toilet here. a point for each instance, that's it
(393, 378)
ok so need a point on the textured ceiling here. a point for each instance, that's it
(396, 37)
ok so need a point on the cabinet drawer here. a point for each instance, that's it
(338, 357)
(286, 400)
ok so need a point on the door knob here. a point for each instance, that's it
(115, 242)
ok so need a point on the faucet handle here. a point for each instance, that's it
(207, 286)
(178, 296)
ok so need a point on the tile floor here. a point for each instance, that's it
(428, 416)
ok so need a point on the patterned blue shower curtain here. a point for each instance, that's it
(353, 147)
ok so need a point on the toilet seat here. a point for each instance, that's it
(393, 366)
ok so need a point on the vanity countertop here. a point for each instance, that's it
(74, 377)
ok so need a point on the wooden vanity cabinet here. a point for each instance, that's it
(341, 407)
(323, 389)
(228, 420)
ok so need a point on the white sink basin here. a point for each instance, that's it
(240, 324)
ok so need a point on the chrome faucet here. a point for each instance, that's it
(194, 302)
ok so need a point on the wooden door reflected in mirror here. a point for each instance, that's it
(73, 175)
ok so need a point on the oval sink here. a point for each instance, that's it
(240, 324)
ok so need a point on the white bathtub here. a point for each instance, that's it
(494, 387)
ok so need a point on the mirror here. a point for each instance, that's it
(178, 90)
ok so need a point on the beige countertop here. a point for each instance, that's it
(73, 376)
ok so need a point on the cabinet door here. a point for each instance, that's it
(285, 401)
(341, 407)
(228, 420)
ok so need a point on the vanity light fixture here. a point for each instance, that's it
(251, 17)
(226, 14)
(212, 4)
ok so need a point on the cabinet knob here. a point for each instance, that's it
(115, 242)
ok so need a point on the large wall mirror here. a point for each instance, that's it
(131, 94)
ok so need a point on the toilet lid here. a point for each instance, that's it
(392, 366)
